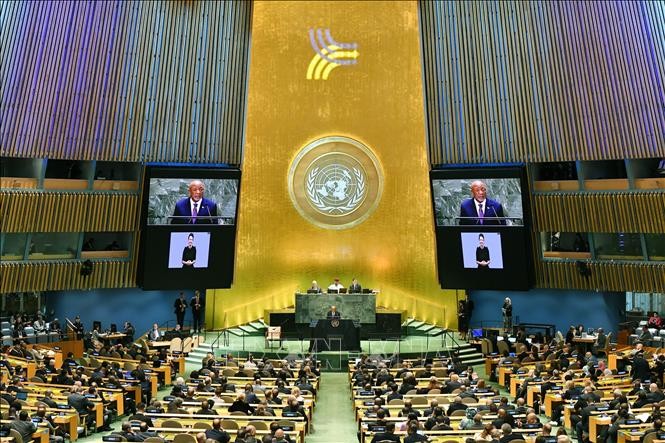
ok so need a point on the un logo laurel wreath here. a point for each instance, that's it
(335, 182)
(350, 205)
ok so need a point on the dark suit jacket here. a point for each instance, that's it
(386, 436)
(640, 368)
(220, 436)
(510, 437)
(469, 208)
(355, 289)
(81, 403)
(330, 315)
(207, 208)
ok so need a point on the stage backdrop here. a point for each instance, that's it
(335, 168)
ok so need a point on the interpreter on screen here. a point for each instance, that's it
(189, 253)
(482, 253)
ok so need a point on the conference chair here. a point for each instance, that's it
(184, 438)
(171, 424)
(229, 425)
(261, 425)
(176, 344)
(650, 437)
(202, 425)
(419, 401)
(13, 433)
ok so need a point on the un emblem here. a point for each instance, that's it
(335, 182)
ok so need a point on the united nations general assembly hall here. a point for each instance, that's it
(332, 221)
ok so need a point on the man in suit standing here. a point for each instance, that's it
(480, 210)
(195, 209)
(354, 287)
(333, 313)
(197, 309)
(180, 306)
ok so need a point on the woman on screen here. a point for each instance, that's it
(189, 253)
(482, 253)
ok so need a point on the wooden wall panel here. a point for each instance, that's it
(543, 80)
(124, 81)
(599, 212)
(63, 275)
(29, 211)
(609, 276)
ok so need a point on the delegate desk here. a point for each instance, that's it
(334, 335)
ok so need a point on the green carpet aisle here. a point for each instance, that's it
(334, 421)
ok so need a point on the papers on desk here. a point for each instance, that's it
(643, 417)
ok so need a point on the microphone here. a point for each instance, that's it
(496, 215)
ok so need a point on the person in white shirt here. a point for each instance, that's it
(336, 285)
(155, 333)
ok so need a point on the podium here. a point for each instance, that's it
(334, 335)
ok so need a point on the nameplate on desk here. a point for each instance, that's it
(368, 403)
(365, 393)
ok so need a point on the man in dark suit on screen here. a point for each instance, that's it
(480, 210)
(195, 209)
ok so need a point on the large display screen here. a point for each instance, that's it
(481, 219)
(188, 227)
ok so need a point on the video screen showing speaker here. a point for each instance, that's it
(482, 225)
(188, 227)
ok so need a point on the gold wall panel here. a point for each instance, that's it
(377, 101)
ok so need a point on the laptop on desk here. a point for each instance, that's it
(333, 291)
(342, 291)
